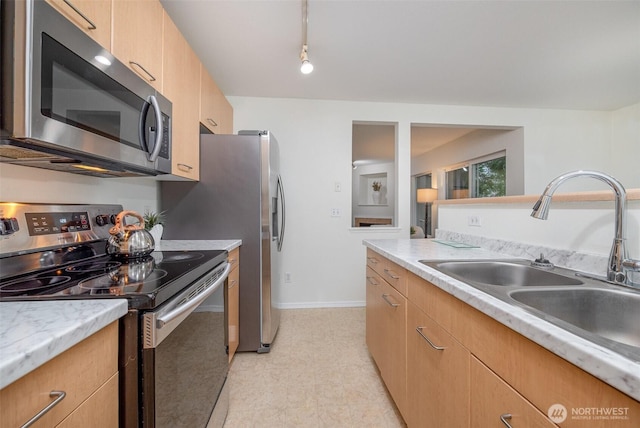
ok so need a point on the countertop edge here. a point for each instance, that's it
(608, 366)
(35, 339)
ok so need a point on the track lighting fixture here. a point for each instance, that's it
(306, 67)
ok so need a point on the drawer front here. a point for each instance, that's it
(375, 261)
(545, 379)
(234, 258)
(79, 372)
(391, 272)
(98, 411)
(493, 400)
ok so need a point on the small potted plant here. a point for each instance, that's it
(376, 185)
(153, 222)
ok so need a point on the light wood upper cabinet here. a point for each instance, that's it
(181, 76)
(91, 16)
(215, 111)
(137, 38)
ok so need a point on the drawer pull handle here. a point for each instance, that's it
(92, 26)
(232, 283)
(371, 280)
(212, 122)
(505, 418)
(385, 297)
(391, 274)
(59, 397)
(233, 261)
(151, 78)
(184, 167)
(437, 348)
(373, 260)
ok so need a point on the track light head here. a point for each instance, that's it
(306, 66)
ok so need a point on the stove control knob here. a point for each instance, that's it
(102, 219)
(9, 225)
(112, 219)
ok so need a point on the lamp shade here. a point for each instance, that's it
(427, 195)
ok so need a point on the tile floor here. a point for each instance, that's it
(318, 374)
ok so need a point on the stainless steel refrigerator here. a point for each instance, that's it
(239, 196)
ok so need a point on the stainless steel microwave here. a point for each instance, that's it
(69, 105)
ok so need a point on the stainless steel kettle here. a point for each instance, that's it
(129, 241)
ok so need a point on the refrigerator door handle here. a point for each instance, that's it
(280, 192)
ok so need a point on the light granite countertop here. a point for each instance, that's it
(32, 333)
(172, 245)
(617, 370)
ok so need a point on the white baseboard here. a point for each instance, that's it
(317, 305)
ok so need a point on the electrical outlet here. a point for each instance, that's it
(335, 212)
(474, 220)
(287, 277)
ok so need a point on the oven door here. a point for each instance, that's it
(184, 356)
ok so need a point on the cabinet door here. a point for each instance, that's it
(215, 111)
(437, 374)
(393, 324)
(493, 400)
(137, 38)
(182, 86)
(374, 327)
(100, 410)
(91, 16)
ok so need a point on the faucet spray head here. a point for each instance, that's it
(541, 207)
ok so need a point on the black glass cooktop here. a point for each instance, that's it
(147, 282)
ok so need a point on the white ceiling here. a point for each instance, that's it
(548, 54)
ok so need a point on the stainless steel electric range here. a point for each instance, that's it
(173, 360)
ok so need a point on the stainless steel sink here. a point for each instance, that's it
(598, 311)
(612, 314)
(503, 273)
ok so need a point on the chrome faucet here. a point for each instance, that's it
(619, 262)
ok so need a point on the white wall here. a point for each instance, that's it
(323, 254)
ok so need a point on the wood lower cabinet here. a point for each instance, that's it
(493, 400)
(437, 374)
(137, 38)
(87, 373)
(484, 370)
(91, 16)
(181, 74)
(233, 302)
(386, 314)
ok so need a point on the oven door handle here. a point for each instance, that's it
(190, 305)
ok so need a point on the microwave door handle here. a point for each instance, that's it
(158, 145)
(142, 123)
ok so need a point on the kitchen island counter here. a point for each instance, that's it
(32, 333)
(617, 370)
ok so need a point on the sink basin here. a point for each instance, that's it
(609, 313)
(503, 273)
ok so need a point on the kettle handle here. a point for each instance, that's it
(121, 227)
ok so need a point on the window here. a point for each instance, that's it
(480, 178)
